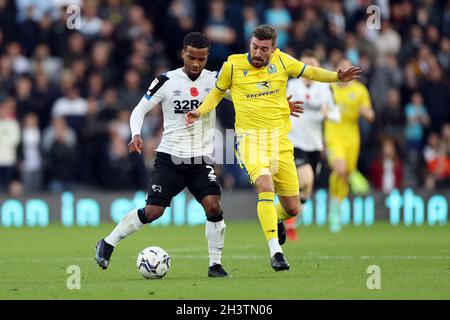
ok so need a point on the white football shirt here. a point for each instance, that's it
(306, 133)
(179, 94)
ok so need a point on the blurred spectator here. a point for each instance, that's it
(435, 91)
(6, 76)
(109, 105)
(334, 13)
(411, 44)
(278, 16)
(386, 75)
(351, 49)
(113, 11)
(95, 86)
(7, 19)
(71, 105)
(131, 93)
(76, 48)
(119, 169)
(24, 97)
(28, 32)
(89, 144)
(389, 41)
(386, 171)
(220, 33)
(444, 55)
(9, 141)
(79, 72)
(59, 34)
(91, 23)
(32, 9)
(417, 120)
(101, 62)
(180, 21)
(60, 145)
(446, 138)
(392, 118)
(20, 63)
(43, 62)
(437, 163)
(250, 22)
(44, 95)
(31, 164)
(446, 20)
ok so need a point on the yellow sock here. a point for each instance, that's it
(281, 214)
(338, 186)
(267, 215)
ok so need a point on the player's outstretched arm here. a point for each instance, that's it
(323, 75)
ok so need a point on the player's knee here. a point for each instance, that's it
(153, 212)
(293, 210)
(341, 170)
(264, 184)
(212, 208)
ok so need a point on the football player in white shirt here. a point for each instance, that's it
(306, 133)
(184, 156)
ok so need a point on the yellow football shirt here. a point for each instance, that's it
(350, 99)
(259, 94)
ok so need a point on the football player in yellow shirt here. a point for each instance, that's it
(257, 82)
(343, 141)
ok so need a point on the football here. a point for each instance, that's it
(153, 262)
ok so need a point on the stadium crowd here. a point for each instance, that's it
(66, 94)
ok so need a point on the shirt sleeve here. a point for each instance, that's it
(223, 83)
(365, 98)
(296, 69)
(153, 96)
(225, 75)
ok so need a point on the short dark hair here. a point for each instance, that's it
(196, 40)
(265, 32)
(310, 54)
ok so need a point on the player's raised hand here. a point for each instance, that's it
(349, 73)
(135, 144)
(295, 106)
(192, 116)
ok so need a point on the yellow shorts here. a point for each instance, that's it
(261, 154)
(348, 152)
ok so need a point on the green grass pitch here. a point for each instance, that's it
(414, 264)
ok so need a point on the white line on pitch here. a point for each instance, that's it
(244, 257)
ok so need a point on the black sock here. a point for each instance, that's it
(217, 218)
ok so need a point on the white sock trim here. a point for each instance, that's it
(128, 225)
(274, 246)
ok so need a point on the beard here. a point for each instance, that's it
(258, 62)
